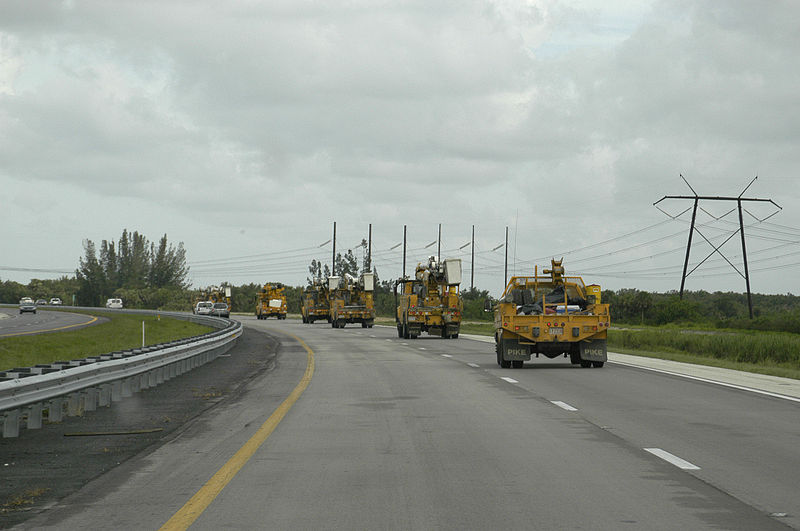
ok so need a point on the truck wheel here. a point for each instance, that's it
(406, 335)
(503, 363)
(363, 324)
(586, 363)
(517, 364)
(597, 364)
(399, 331)
(333, 324)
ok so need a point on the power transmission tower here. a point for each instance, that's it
(693, 228)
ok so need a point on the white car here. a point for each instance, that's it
(26, 299)
(113, 303)
(204, 308)
(55, 301)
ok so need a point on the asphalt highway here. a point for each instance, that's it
(13, 323)
(430, 434)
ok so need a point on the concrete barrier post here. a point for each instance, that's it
(11, 423)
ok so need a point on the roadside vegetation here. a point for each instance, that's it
(120, 332)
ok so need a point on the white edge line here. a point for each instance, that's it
(563, 405)
(706, 380)
(474, 365)
(672, 459)
(422, 348)
(447, 356)
(509, 380)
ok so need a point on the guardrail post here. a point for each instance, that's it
(159, 375)
(152, 379)
(90, 399)
(55, 410)
(11, 423)
(136, 384)
(35, 416)
(127, 385)
(73, 404)
(105, 395)
(116, 391)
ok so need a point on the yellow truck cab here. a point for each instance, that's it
(551, 315)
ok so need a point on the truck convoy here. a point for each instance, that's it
(315, 303)
(551, 315)
(351, 300)
(271, 302)
(430, 302)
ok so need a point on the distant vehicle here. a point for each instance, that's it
(55, 301)
(40, 302)
(221, 309)
(111, 303)
(204, 308)
(27, 305)
(26, 299)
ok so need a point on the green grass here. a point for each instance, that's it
(775, 353)
(121, 332)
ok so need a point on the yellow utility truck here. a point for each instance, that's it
(551, 315)
(271, 302)
(351, 300)
(315, 304)
(430, 302)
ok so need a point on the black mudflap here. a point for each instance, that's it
(594, 350)
(513, 351)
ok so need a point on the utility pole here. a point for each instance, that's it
(716, 248)
(472, 272)
(333, 260)
(439, 249)
(404, 251)
(369, 251)
(505, 278)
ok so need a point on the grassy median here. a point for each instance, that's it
(120, 332)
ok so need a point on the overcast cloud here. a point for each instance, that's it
(247, 128)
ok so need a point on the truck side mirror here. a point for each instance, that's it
(487, 305)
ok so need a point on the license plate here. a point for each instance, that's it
(557, 331)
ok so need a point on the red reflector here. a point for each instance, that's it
(594, 329)
(516, 328)
(548, 324)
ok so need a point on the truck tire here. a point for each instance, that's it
(406, 335)
(503, 363)
(399, 331)
(517, 364)
(586, 363)
(597, 364)
(363, 324)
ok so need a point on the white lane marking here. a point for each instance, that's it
(474, 365)
(372, 336)
(563, 405)
(422, 348)
(388, 340)
(406, 344)
(707, 380)
(509, 380)
(673, 459)
(446, 356)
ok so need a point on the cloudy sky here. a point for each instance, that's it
(245, 129)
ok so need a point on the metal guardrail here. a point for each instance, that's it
(71, 387)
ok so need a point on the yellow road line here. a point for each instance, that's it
(198, 503)
(90, 321)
